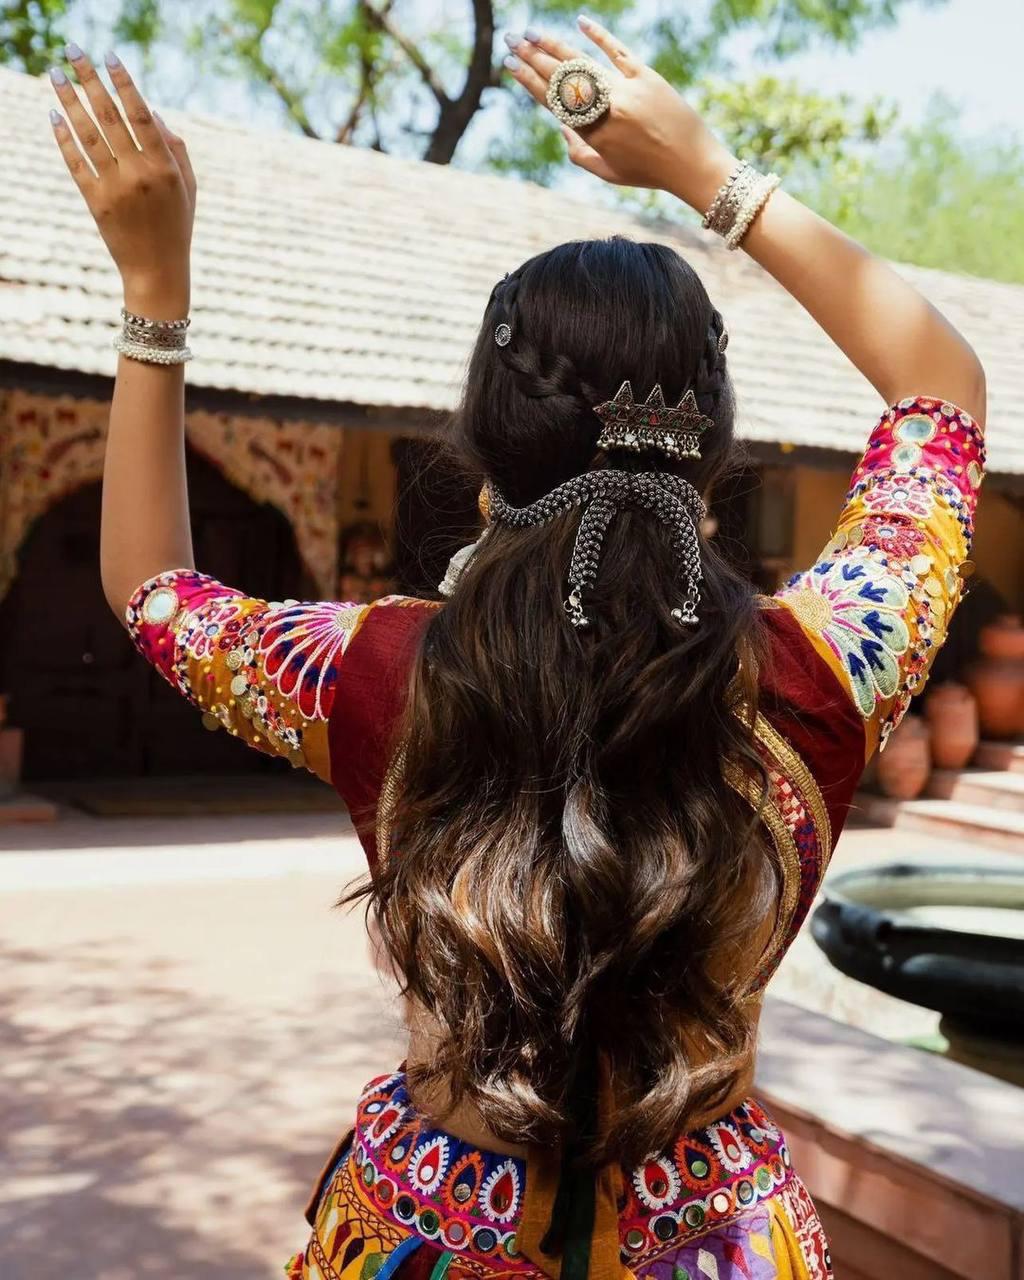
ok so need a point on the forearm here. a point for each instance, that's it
(893, 335)
(144, 525)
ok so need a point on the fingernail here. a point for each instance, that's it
(512, 39)
(73, 52)
(532, 34)
(512, 63)
(58, 76)
(584, 21)
(111, 59)
(55, 117)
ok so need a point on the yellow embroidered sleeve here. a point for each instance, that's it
(877, 603)
(265, 671)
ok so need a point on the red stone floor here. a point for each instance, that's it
(185, 1022)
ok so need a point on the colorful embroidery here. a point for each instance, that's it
(722, 1197)
(265, 671)
(877, 603)
(857, 607)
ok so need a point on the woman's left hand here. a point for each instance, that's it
(650, 136)
(137, 182)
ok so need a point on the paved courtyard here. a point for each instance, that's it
(185, 1021)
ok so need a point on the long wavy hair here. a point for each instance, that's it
(575, 872)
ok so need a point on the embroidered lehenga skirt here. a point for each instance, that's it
(402, 1199)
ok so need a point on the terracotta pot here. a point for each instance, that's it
(952, 716)
(998, 687)
(1003, 638)
(997, 679)
(906, 762)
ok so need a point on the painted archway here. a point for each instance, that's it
(52, 445)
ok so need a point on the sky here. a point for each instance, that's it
(970, 49)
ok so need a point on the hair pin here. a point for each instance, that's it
(503, 334)
(672, 430)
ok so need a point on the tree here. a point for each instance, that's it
(30, 33)
(395, 75)
(936, 199)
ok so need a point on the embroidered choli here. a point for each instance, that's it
(850, 640)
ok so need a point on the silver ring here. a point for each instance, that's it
(579, 92)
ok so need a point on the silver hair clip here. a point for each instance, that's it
(503, 334)
(675, 432)
(603, 494)
(723, 342)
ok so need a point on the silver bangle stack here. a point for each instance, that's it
(153, 341)
(738, 202)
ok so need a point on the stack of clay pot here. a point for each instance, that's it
(997, 678)
(903, 768)
(945, 737)
(952, 715)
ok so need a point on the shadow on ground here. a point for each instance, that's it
(150, 1132)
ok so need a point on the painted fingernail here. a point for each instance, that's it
(55, 117)
(533, 35)
(512, 63)
(512, 39)
(74, 52)
(112, 60)
(584, 21)
(58, 76)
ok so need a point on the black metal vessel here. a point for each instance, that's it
(948, 938)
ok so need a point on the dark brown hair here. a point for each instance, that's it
(574, 874)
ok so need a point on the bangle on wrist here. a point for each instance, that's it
(153, 341)
(738, 202)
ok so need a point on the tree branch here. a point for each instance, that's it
(291, 100)
(456, 113)
(347, 128)
(382, 20)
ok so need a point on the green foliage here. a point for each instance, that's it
(936, 199)
(800, 134)
(781, 126)
(31, 33)
(380, 72)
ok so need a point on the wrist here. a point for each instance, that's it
(165, 297)
(698, 184)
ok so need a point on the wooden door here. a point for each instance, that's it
(89, 705)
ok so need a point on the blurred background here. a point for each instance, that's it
(185, 1022)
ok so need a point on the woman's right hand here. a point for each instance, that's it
(650, 137)
(140, 189)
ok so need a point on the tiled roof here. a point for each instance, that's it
(332, 273)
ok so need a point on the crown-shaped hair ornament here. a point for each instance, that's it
(675, 432)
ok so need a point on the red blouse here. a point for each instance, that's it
(850, 640)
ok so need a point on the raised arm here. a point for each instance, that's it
(139, 187)
(652, 138)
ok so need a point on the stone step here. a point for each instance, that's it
(1000, 755)
(24, 807)
(971, 824)
(990, 788)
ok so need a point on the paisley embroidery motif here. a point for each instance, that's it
(429, 1164)
(656, 1182)
(499, 1196)
(857, 607)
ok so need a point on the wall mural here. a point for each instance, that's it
(52, 445)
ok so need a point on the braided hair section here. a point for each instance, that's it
(538, 374)
(711, 381)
